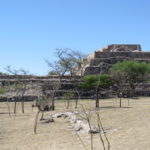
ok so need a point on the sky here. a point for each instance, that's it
(31, 30)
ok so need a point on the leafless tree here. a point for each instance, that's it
(88, 120)
(67, 61)
(49, 89)
(4, 88)
(35, 122)
(43, 105)
(63, 64)
(77, 58)
(101, 129)
(78, 92)
(19, 86)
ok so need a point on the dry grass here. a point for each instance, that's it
(127, 128)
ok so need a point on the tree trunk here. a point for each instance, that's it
(68, 103)
(35, 123)
(22, 103)
(22, 96)
(8, 106)
(97, 98)
(42, 116)
(53, 102)
(76, 105)
(133, 88)
(15, 105)
(120, 102)
(120, 96)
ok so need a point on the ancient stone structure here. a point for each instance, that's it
(97, 62)
(101, 60)
(36, 82)
(121, 47)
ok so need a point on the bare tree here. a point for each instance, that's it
(77, 58)
(89, 123)
(4, 88)
(20, 86)
(78, 92)
(101, 129)
(43, 105)
(35, 122)
(67, 61)
(68, 96)
(64, 63)
(49, 89)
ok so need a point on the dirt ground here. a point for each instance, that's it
(127, 128)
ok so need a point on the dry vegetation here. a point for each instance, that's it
(127, 128)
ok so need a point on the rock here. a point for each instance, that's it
(68, 114)
(78, 124)
(76, 112)
(72, 118)
(93, 130)
(58, 115)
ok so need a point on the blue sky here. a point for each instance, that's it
(31, 30)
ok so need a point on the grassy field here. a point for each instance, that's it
(127, 128)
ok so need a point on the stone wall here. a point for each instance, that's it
(145, 55)
(36, 83)
(16, 77)
(110, 55)
(104, 60)
(124, 47)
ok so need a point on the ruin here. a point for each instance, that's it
(101, 60)
(97, 62)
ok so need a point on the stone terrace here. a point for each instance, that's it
(100, 61)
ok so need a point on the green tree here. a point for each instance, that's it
(97, 83)
(52, 73)
(136, 71)
(130, 73)
(3, 74)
